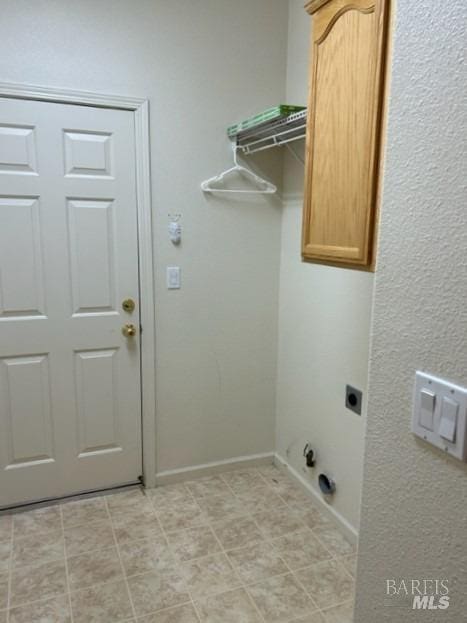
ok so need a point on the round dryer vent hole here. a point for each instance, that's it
(326, 484)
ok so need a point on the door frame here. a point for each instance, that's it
(140, 109)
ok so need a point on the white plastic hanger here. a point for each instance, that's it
(266, 188)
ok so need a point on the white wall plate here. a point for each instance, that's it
(440, 414)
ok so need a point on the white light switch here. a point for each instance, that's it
(440, 414)
(427, 408)
(448, 424)
(173, 277)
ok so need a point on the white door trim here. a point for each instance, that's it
(140, 109)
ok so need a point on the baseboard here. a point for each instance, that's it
(198, 471)
(350, 532)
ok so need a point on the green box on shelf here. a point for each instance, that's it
(271, 114)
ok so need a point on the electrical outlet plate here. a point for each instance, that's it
(353, 399)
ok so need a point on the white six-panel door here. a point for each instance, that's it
(70, 413)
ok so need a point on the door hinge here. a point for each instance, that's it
(140, 329)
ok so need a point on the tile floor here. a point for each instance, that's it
(243, 547)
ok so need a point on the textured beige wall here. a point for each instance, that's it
(414, 515)
(324, 327)
(203, 65)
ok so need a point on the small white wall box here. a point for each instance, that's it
(440, 414)
(173, 277)
(175, 232)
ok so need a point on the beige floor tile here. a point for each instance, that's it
(218, 507)
(39, 582)
(147, 555)
(281, 598)
(336, 543)
(231, 607)
(294, 495)
(274, 477)
(131, 499)
(56, 610)
(187, 516)
(267, 468)
(301, 549)
(210, 575)
(162, 574)
(156, 591)
(142, 508)
(88, 537)
(109, 602)
(276, 523)
(316, 617)
(243, 480)
(203, 487)
(3, 590)
(237, 532)
(328, 583)
(92, 568)
(311, 516)
(38, 549)
(339, 614)
(193, 543)
(83, 511)
(257, 562)
(168, 496)
(129, 526)
(5, 551)
(350, 563)
(38, 521)
(6, 523)
(287, 488)
(179, 614)
(260, 499)
(315, 520)
(3, 616)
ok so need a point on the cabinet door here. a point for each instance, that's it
(344, 129)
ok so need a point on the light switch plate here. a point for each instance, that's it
(173, 278)
(442, 396)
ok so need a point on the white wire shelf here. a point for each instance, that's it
(273, 134)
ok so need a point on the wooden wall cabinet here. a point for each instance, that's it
(344, 130)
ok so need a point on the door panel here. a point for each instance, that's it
(17, 149)
(21, 272)
(92, 251)
(88, 154)
(97, 392)
(28, 413)
(69, 380)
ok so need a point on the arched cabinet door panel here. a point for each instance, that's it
(344, 130)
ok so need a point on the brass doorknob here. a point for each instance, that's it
(128, 305)
(129, 330)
